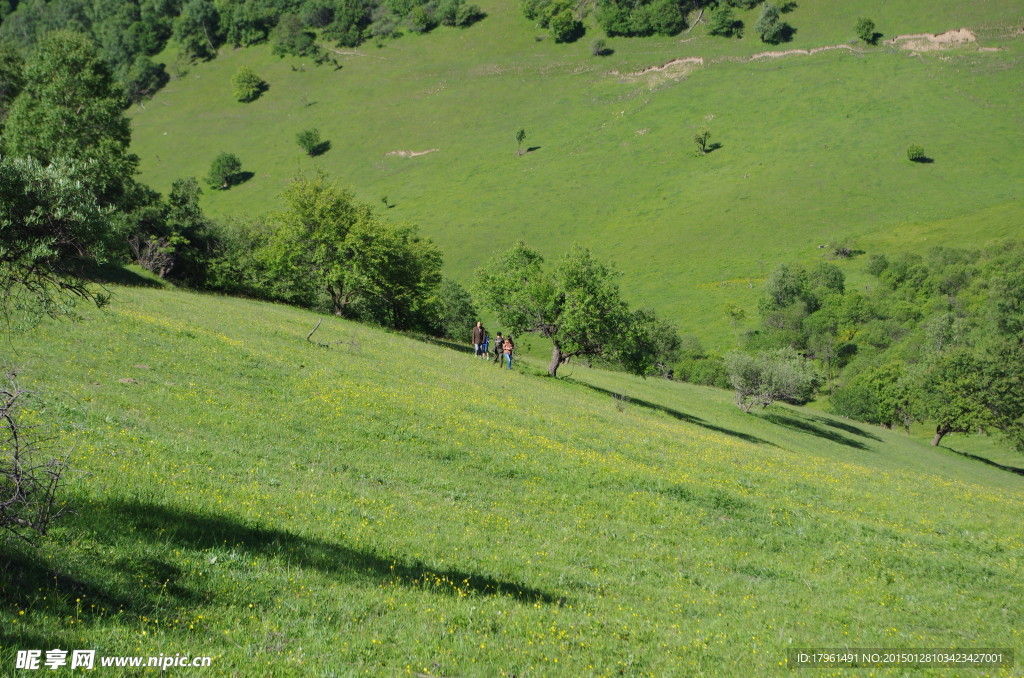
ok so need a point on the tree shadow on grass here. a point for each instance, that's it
(239, 178)
(711, 148)
(117, 275)
(190, 530)
(682, 416)
(923, 160)
(849, 428)
(1003, 467)
(531, 149)
(808, 427)
(142, 582)
(320, 149)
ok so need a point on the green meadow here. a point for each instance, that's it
(812, 146)
(387, 506)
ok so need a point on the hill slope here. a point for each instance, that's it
(386, 506)
(812, 145)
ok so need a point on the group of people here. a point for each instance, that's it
(504, 347)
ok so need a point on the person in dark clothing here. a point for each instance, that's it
(499, 343)
(478, 338)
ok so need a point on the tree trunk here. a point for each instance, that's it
(556, 359)
(939, 432)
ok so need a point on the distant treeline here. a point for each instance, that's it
(934, 337)
(129, 33)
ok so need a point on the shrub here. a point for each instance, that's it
(247, 85)
(721, 21)
(598, 47)
(770, 26)
(565, 27)
(309, 140)
(766, 377)
(915, 153)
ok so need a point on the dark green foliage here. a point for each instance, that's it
(458, 13)
(721, 21)
(915, 153)
(246, 85)
(247, 22)
(621, 17)
(419, 20)
(143, 79)
(743, 4)
(882, 396)
(455, 313)
(565, 27)
(12, 78)
(69, 107)
(350, 22)
(865, 30)
(224, 170)
(291, 37)
(598, 47)
(197, 29)
(318, 13)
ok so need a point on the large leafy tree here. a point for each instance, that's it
(69, 107)
(49, 223)
(576, 304)
(327, 245)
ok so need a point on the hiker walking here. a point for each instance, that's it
(507, 348)
(499, 346)
(478, 338)
(485, 351)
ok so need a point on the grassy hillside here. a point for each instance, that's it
(388, 507)
(812, 146)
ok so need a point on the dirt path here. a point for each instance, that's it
(917, 42)
(412, 154)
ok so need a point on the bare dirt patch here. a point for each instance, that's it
(928, 42)
(791, 52)
(412, 154)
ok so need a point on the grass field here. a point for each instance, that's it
(812, 146)
(391, 507)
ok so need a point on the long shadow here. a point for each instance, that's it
(320, 149)
(1002, 467)
(110, 273)
(807, 427)
(446, 343)
(682, 416)
(849, 428)
(239, 178)
(190, 530)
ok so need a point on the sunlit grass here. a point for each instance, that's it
(389, 507)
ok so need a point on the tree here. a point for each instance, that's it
(954, 394)
(291, 37)
(565, 27)
(309, 140)
(197, 29)
(701, 140)
(865, 29)
(223, 171)
(770, 26)
(599, 47)
(883, 396)
(143, 78)
(12, 78)
(69, 107)
(766, 377)
(520, 138)
(577, 304)
(247, 86)
(326, 245)
(722, 21)
(49, 223)
(455, 313)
